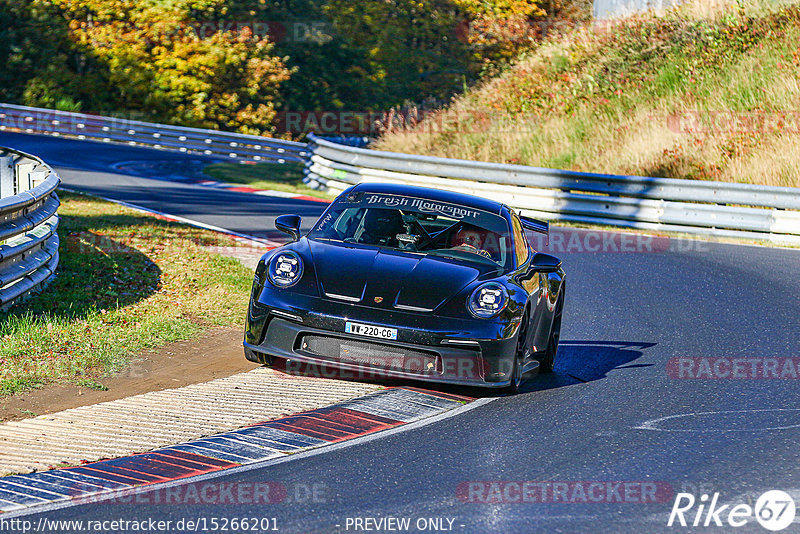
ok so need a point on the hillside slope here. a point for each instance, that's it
(711, 95)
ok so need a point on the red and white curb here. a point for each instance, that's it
(263, 192)
(196, 177)
(383, 410)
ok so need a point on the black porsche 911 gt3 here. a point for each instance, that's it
(410, 282)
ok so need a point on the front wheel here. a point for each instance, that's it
(519, 358)
(546, 364)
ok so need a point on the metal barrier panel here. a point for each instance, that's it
(222, 145)
(686, 206)
(689, 206)
(28, 223)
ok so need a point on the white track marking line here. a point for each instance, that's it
(176, 218)
(652, 424)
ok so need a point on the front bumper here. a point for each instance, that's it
(428, 348)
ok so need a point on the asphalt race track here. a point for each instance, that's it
(152, 179)
(619, 408)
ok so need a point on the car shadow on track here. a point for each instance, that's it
(577, 362)
(582, 361)
(591, 360)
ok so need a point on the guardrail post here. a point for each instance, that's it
(24, 172)
(37, 176)
(6, 176)
(309, 178)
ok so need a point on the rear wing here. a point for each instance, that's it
(535, 225)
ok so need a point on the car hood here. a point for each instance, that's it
(386, 278)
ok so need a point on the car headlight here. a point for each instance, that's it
(285, 269)
(488, 300)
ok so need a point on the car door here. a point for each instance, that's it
(528, 278)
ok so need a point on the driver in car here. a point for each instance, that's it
(470, 239)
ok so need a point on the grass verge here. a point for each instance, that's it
(126, 282)
(701, 92)
(286, 177)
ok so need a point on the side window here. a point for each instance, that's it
(347, 222)
(520, 241)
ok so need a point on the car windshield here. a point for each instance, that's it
(417, 225)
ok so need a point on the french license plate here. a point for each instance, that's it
(381, 332)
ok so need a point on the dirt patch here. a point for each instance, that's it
(215, 354)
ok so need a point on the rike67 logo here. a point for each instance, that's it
(774, 510)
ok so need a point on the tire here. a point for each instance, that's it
(519, 356)
(546, 364)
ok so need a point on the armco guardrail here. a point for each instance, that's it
(686, 206)
(690, 206)
(161, 136)
(28, 222)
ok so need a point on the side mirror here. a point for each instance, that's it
(545, 263)
(289, 224)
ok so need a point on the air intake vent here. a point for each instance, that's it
(372, 354)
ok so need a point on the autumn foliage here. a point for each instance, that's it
(232, 64)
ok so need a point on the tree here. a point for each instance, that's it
(154, 62)
(34, 49)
